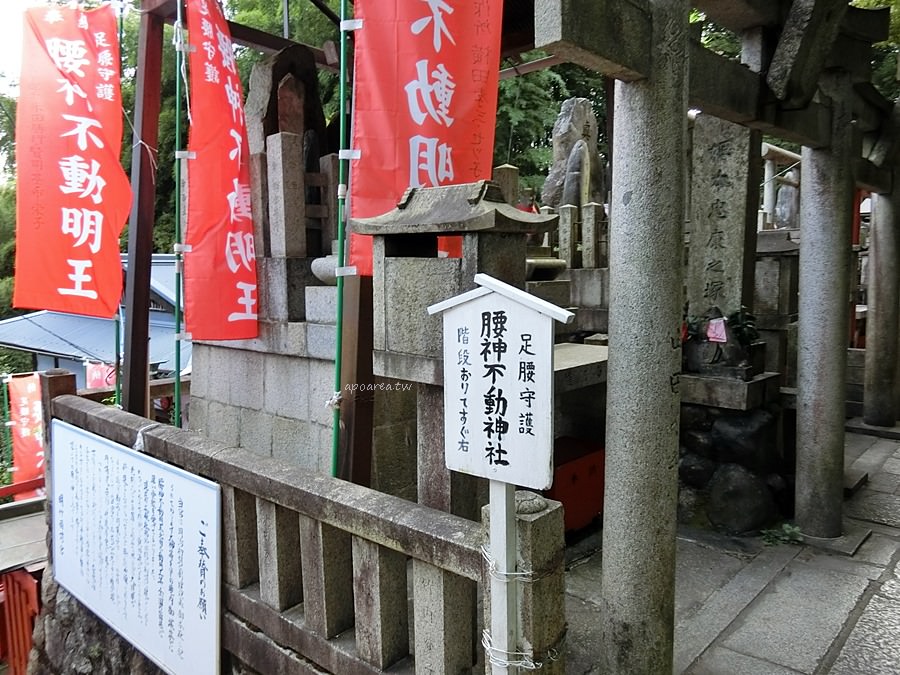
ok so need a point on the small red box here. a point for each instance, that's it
(579, 469)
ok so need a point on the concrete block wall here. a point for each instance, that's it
(269, 395)
(394, 439)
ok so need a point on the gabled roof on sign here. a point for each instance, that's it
(488, 284)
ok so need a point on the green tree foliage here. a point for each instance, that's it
(307, 25)
(7, 137)
(884, 62)
(527, 107)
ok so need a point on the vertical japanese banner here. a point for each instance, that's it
(27, 418)
(99, 375)
(220, 267)
(424, 103)
(72, 196)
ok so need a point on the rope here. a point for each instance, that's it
(139, 440)
(504, 659)
(334, 402)
(526, 576)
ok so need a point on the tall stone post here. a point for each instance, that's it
(826, 199)
(638, 586)
(879, 400)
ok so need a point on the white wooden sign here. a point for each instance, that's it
(137, 541)
(498, 383)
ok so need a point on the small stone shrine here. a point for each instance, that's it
(409, 276)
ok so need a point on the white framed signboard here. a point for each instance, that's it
(137, 541)
(498, 384)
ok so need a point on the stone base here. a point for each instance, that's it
(721, 392)
(556, 292)
(858, 426)
(321, 304)
(576, 366)
(590, 287)
(854, 480)
(593, 320)
(848, 543)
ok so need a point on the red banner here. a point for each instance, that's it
(72, 195)
(220, 267)
(425, 101)
(99, 375)
(27, 419)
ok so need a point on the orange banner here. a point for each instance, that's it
(220, 267)
(72, 196)
(425, 101)
(27, 417)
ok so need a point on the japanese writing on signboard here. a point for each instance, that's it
(221, 299)
(138, 542)
(498, 394)
(425, 100)
(73, 195)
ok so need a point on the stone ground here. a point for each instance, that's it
(746, 608)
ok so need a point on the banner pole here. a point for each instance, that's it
(179, 65)
(7, 436)
(118, 360)
(341, 203)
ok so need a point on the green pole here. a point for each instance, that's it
(179, 64)
(342, 196)
(7, 436)
(118, 321)
(118, 361)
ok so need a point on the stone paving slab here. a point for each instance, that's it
(873, 455)
(798, 616)
(721, 661)
(694, 634)
(583, 643)
(746, 609)
(699, 573)
(874, 506)
(873, 647)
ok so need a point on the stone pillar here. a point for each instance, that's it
(826, 199)
(879, 400)
(724, 197)
(507, 177)
(646, 225)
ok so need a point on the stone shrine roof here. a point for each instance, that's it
(454, 209)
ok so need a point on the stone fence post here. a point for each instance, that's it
(540, 562)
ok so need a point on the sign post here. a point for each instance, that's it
(498, 421)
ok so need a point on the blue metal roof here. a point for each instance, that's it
(87, 337)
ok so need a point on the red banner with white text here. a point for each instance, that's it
(425, 101)
(220, 267)
(99, 375)
(27, 418)
(72, 196)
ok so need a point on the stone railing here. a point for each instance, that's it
(321, 574)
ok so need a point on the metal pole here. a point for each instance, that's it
(341, 202)
(179, 64)
(118, 360)
(7, 436)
